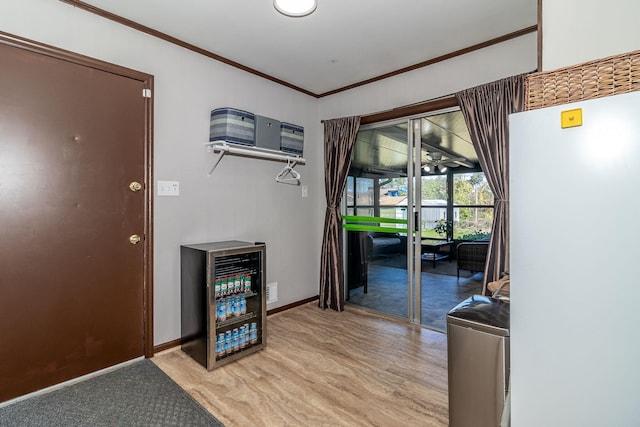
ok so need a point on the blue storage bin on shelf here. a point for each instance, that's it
(291, 138)
(233, 125)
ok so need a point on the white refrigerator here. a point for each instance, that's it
(575, 264)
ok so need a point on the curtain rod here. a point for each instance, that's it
(446, 101)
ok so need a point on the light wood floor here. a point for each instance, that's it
(321, 367)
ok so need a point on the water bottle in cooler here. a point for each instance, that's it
(221, 310)
(235, 306)
(243, 305)
(243, 336)
(220, 346)
(228, 344)
(229, 307)
(235, 339)
(253, 334)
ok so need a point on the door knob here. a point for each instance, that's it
(134, 239)
(135, 186)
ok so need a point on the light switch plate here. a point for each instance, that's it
(168, 188)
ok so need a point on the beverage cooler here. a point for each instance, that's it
(223, 301)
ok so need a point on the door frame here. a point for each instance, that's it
(147, 80)
(414, 207)
(414, 213)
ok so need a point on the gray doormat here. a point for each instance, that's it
(136, 395)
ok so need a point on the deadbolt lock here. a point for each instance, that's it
(134, 239)
(135, 186)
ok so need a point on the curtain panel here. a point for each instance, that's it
(486, 111)
(339, 140)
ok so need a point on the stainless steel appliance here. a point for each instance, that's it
(478, 360)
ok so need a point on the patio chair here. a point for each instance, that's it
(472, 256)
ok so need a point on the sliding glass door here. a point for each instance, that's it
(376, 221)
(400, 220)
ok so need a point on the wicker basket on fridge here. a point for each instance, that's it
(594, 79)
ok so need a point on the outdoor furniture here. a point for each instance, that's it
(431, 250)
(384, 244)
(357, 267)
(472, 256)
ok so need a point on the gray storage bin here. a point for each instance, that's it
(267, 133)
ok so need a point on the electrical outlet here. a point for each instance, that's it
(272, 292)
(168, 188)
(305, 191)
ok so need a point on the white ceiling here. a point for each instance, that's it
(343, 42)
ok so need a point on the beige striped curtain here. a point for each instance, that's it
(486, 111)
(339, 140)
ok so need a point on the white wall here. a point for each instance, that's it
(241, 200)
(442, 79)
(576, 31)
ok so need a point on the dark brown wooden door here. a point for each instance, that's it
(72, 138)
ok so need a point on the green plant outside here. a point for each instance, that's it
(477, 235)
(443, 227)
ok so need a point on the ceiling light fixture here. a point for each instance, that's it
(295, 8)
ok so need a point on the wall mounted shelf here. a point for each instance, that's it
(223, 147)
